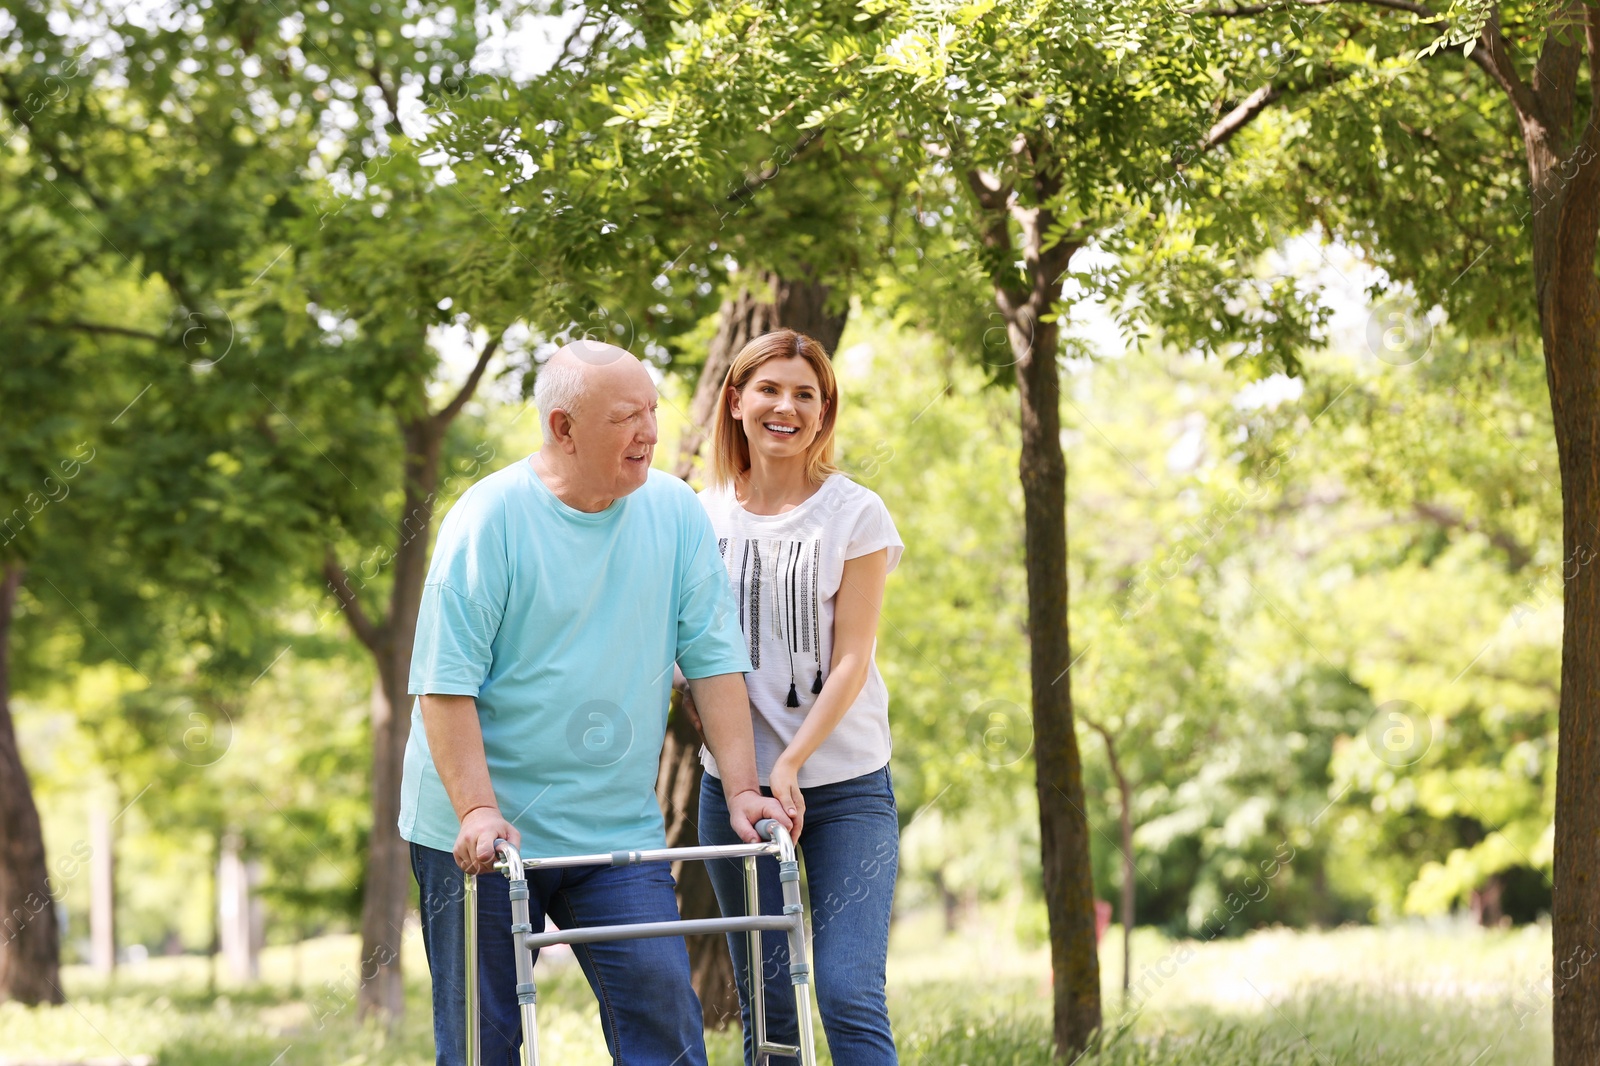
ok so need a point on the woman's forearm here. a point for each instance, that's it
(846, 678)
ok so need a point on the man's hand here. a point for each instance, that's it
(474, 850)
(786, 790)
(747, 808)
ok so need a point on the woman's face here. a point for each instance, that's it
(781, 408)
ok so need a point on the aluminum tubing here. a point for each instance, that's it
(598, 934)
(634, 858)
(527, 996)
(474, 1032)
(755, 960)
(794, 914)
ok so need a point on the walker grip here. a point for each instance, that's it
(767, 828)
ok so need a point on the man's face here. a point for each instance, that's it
(614, 433)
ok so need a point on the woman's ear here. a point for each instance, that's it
(733, 401)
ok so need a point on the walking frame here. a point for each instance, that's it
(776, 842)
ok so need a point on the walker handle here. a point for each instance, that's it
(767, 828)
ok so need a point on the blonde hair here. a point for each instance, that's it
(730, 448)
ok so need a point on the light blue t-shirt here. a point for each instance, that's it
(565, 626)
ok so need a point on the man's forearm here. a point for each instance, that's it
(456, 739)
(724, 708)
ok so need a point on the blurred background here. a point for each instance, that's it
(278, 282)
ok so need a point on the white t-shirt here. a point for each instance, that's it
(785, 571)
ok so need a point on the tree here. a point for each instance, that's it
(1031, 133)
(287, 316)
(1505, 150)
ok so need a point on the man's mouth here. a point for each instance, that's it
(781, 429)
(644, 457)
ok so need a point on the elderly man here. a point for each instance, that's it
(562, 590)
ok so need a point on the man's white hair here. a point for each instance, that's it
(558, 385)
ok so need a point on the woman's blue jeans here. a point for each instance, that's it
(648, 1008)
(850, 844)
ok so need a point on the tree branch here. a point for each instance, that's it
(369, 635)
(754, 184)
(375, 72)
(1258, 101)
(1240, 117)
(1495, 59)
(448, 414)
(1493, 56)
(98, 327)
(1517, 554)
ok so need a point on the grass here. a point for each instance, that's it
(1408, 996)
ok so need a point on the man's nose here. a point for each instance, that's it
(647, 433)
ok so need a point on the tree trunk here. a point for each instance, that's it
(30, 952)
(1564, 230)
(1570, 356)
(794, 304)
(1031, 329)
(386, 888)
(102, 891)
(1128, 873)
(1572, 344)
(1129, 870)
(1063, 826)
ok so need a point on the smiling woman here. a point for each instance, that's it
(807, 551)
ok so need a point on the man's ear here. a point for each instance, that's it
(559, 425)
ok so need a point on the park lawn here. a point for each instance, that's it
(1406, 996)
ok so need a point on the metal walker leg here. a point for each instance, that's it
(792, 922)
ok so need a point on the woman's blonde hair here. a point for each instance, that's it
(730, 449)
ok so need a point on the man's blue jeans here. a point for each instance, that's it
(648, 1008)
(850, 844)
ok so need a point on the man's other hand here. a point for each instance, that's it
(747, 808)
(474, 850)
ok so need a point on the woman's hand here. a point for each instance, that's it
(686, 700)
(786, 790)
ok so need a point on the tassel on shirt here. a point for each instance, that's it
(816, 686)
(794, 697)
